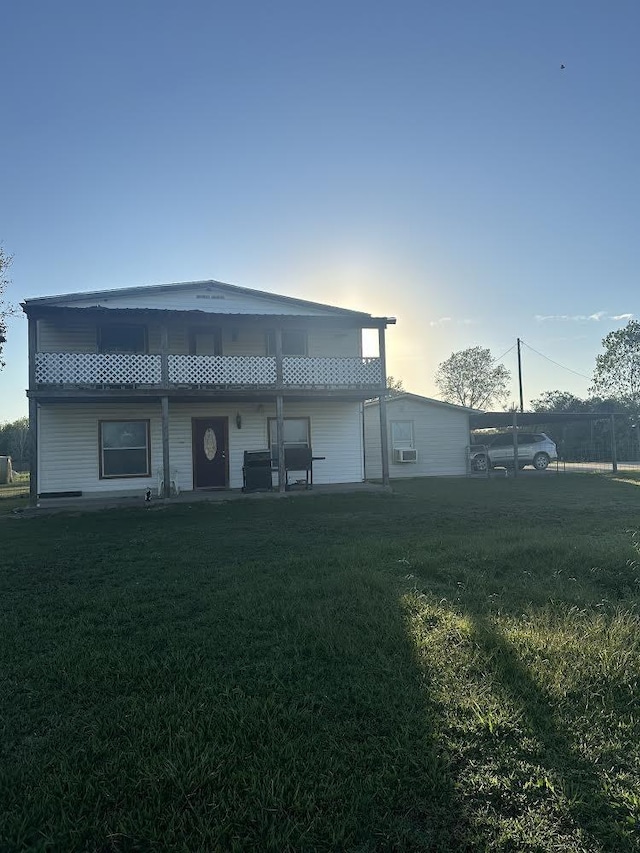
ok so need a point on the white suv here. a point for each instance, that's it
(535, 449)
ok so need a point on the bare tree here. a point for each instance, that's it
(5, 308)
(394, 386)
(472, 378)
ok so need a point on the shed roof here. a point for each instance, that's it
(486, 420)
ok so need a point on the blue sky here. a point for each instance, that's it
(429, 161)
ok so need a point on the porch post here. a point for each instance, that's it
(384, 441)
(33, 414)
(33, 452)
(166, 467)
(282, 474)
(614, 450)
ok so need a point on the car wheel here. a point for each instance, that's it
(480, 463)
(540, 461)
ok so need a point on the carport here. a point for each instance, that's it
(514, 420)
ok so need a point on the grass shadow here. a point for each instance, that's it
(572, 781)
(238, 693)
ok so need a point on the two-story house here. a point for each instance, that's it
(166, 387)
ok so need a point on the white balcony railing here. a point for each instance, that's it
(89, 368)
(245, 371)
(222, 370)
(330, 372)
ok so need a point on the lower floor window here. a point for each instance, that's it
(295, 433)
(124, 449)
(402, 435)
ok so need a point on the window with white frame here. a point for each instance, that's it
(124, 449)
(402, 435)
(296, 434)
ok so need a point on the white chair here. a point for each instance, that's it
(174, 488)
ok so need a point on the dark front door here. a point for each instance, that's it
(209, 436)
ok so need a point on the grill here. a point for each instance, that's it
(256, 471)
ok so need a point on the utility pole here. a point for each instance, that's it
(520, 377)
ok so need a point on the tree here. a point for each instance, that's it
(471, 378)
(560, 401)
(14, 439)
(394, 386)
(617, 372)
(5, 309)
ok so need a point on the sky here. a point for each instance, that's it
(429, 161)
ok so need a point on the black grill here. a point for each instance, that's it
(256, 471)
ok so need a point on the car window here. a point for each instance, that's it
(540, 437)
(525, 438)
(502, 441)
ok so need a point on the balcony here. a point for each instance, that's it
(104, 370)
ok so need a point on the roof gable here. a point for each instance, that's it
(427, 401)
(212, 297)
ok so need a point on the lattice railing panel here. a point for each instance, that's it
(222, 370)
(331, 372)
(92, 368)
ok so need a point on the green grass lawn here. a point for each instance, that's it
(451, 667)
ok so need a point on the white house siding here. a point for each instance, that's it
(68, 442)
(79, 334)
(440, 434)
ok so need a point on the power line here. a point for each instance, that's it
(557, 363)
(503, 354)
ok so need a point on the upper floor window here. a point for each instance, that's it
(293, 342)
(402, 435)
(122, 337)
(205, 341)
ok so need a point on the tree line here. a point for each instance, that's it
(14, 441)
(473, 378)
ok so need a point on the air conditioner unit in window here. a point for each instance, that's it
(405, 455)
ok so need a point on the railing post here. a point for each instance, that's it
(279, 371)
(164, 355)
(614, 451)
(33, 348)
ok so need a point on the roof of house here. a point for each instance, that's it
(405, 395)
(214, 297)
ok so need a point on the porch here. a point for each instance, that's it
(97, 503)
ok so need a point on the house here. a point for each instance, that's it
(165, 387)
(425, 437)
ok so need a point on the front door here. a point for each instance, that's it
(210, 439)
